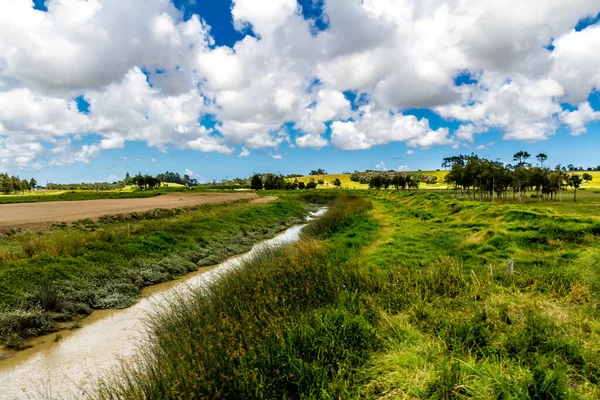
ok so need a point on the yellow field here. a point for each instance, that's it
(594, 184)
(348, 184)
(167, 184)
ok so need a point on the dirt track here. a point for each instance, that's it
(12, 215)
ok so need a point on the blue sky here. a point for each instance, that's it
(349, 96)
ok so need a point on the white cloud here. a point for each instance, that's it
(403, 168)
(112, 178)
(265, 16)
(410, 152)
(314, 141)
(373, 128)
(277, 156)
(524, 109)
(244, 153)
(395, 55)
(381, 167)
(577, 120)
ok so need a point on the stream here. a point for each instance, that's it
(70, 367)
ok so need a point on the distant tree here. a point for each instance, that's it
(575, 181)
(542, 159)
(571, 167)
(32, 183)
(521, 158)
(311, 185)
(256, 182)
(386, 181)
(301, 185)
(269, 183)
(376, 182)
(399, 181)
(587, 177)
(321, 182)
(337, 182)
(412, 181)
(318, 172)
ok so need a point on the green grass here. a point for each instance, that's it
(394, 303)
(288, 324)
(67, 271)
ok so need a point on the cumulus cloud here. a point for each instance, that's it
(576, 121)
(150, 76)
(244, 153)
(374, 128)
(381, 167)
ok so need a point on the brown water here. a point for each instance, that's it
(70, 367)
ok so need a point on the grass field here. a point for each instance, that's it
(67, 271)
(395, 295)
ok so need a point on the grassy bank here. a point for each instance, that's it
(58, 274)
(288, 324)
(455, 329)
(396, 302)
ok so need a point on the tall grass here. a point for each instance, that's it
(287, 324)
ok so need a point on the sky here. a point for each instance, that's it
(93, 89)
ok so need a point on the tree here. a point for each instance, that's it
(521, 158)
(301, 185)
(319, 171)
(587, 177)
(337, 182)
(542, 159)
(269, 183)
(376, 182)
(32, 183)
(256, 183)
(312, 184)
(575, 181)
(399, 181)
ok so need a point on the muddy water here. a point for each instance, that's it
(69, 368)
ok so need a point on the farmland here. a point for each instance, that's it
(391, 294)
(14, 215)
(66, 270)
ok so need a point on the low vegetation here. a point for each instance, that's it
(394, 295)
(71, 269)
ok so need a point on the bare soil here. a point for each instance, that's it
(27, 214)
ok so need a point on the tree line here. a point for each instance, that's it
(280, 182)
(85, 186)
(383, 178)
(147, 181)
(13, 184)
(489, 179)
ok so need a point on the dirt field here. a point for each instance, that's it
(12, 215)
